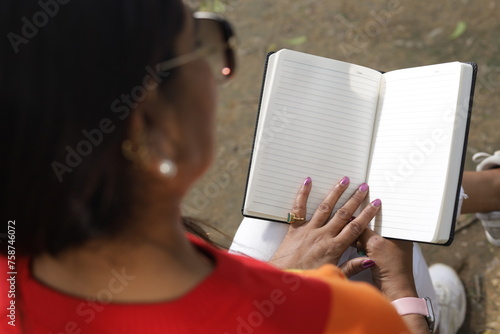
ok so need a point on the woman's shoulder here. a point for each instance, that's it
(240, 270)
(262, 295)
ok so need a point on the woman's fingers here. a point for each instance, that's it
(355, 266)
(366, 237)
(355, 229)
(300, 204)
(324, 211)
(341, 226)
(317, 242)
(344, 215)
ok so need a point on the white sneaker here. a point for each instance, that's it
(486, 161)
(490, 220)
(451, 298)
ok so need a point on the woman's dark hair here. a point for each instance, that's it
(70, 73)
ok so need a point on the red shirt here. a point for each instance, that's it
(240, 296)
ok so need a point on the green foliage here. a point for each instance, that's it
(296, 40)
(216, 6)
(459, 30)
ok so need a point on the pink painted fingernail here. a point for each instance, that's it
(367, 263)
(363, 187)
(307, 181)
(376, 203)
(345, 181)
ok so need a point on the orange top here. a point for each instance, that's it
(356, 308)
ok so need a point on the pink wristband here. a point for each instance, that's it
(413, 305)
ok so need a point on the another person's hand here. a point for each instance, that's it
(323, 239)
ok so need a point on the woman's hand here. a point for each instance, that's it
(323, 239)
(393, 272)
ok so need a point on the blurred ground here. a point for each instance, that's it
(384, 35)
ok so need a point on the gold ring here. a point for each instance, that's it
(292, 218)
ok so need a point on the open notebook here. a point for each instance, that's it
(403, 132)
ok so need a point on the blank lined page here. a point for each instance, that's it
(316, 120)
(412, 148)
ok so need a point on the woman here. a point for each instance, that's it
(105, 144)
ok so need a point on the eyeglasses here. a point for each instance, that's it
(216, 39)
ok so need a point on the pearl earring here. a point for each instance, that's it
(168, 168)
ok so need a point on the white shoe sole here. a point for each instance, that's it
(444, 276)
(494, 242)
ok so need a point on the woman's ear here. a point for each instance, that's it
(151, 136)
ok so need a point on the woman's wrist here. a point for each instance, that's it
(393, 291)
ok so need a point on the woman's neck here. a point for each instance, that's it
(152, 262)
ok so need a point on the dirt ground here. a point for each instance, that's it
(383, 35)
